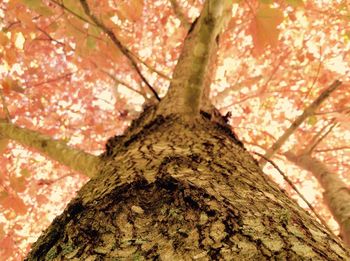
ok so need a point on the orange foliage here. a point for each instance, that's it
(275, 58)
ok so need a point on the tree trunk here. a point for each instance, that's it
(173, 189)
(178, 185)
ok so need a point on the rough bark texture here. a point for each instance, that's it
(182, 190)
(178, 185)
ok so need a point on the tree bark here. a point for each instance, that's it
(178, 185)
(177, 190)
(189, 89)
(58, 150)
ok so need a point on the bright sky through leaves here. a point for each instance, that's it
(62, 76)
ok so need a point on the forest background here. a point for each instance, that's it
(64, 78)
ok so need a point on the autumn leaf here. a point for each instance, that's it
(265, 92)
(3, 39)
(267, 1)
(3, 195)
(32, 3)
(7, 245)
(312, 120)
(9, 84)
(90, 42)
(3, 144)
(347, 35)
(18, 183)
(75, 7)
(130, 10)
(25, 173)
(44, 10)
(295, 3)
(38, 6)
(15, 203)
(41, 199)
(263, 27)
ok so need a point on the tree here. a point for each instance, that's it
(178, 183)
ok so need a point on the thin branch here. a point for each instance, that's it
(73, 13)
(49, 36)
(116, 41)
(335, 111)
(4, 106)
(116, 80)
(152, 69)
(336, 194)
(274, 71)
(318, 141)
(178, 12)
(333, 149)
(299, 120)
(61, 77)
(250, 7)
(316, 76)
(8, 27)
(285, 177)
(49, 182)
(319, 133)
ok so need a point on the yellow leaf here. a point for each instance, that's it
(90, 42)
(3, 144)
(3, 39)
(75, 7)
(295, 3)
(32, 3)
(25, 173)
(312, 120)
(38, 6)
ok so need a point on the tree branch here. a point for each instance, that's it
(336, 193)
(189, 88)
(73, 13)
(4, 106)
(75, 159)
(319, 140)
(118, 81)
(290, 183)
(178, 12)
(150, 67)
(116, 41)
(299, 120)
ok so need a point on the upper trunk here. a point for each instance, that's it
(189, 89)
(177, 190)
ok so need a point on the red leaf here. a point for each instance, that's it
(18, 183)
(7, 247)
(15, 203)
(130, 10)
(263, 27)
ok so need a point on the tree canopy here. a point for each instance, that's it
(80, 71)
